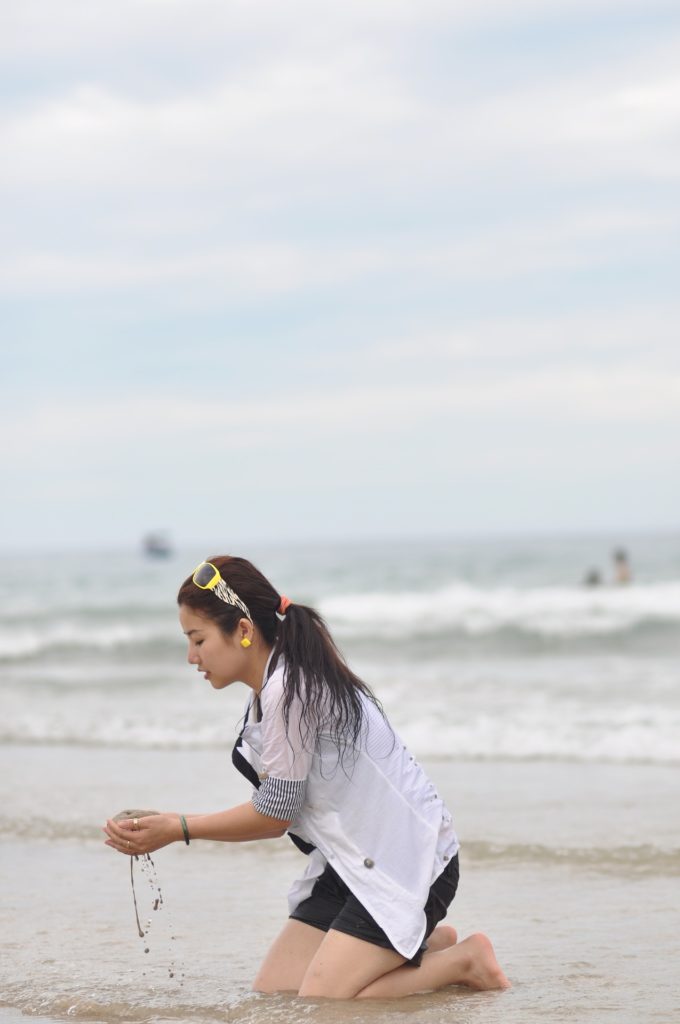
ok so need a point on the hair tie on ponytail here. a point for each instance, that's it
(285, 603)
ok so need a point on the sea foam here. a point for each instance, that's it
(543, 611)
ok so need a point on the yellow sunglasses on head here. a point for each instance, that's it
(208, 577)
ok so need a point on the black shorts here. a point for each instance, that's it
(333, 905)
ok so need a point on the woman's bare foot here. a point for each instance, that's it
(441, 938)
(484, 971)
(471, 963)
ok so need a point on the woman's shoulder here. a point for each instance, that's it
(274, 686)
(276, 690)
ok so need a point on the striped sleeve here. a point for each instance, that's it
(280, 798)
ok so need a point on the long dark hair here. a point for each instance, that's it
(315, 671)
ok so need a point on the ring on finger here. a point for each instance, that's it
(129, 844)
(135, 824)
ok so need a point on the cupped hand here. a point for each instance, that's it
(136, 836)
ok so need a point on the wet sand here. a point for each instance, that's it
(572, 869)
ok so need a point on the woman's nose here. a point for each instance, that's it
(192, 656)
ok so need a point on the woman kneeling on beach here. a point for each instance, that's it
(328, 769)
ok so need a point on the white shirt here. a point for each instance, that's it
(374, 816)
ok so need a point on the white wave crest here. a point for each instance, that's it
(541, 611)
(30, 641)
(635, 733)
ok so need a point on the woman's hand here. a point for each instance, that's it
(136, 836)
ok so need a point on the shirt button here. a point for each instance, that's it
(368, 863)
(445, 857)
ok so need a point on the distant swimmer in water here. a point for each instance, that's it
(592, 578)
(327, 768)
(622, 573)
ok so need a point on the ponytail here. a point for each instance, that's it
(318, 676)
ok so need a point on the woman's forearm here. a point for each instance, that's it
(237, 825)
(241, 824)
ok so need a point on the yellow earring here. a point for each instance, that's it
(245, 642)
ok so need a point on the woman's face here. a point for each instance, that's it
(220, 658)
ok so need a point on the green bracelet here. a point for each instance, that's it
(185, 830)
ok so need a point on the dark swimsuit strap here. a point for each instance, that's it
(242, 765)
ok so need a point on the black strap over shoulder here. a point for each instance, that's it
(242, 765)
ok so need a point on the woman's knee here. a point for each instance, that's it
(344, 965)
(289, 956)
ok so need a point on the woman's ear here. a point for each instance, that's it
(245, 633)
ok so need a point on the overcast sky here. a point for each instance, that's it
(297, 270)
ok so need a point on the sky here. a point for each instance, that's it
(302, 271)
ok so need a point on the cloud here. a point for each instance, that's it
(228, 186)
(355, 112)
(37, 27)
(643, 338)
(572, 241)
(437, 236)
(623, 394)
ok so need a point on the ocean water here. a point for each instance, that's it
(547, 712)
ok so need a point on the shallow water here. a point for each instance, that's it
(557, 866)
